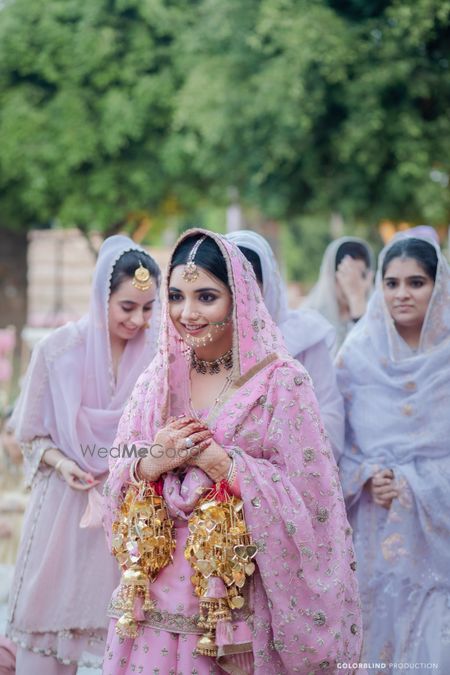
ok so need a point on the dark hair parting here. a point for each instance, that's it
(208, 256)
(417, 249)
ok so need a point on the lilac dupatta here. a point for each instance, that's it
(69, 394)
(304, 595)
(396, 403)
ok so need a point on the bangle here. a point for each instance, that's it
(134, 473)
(59, 462)
(134, 478)
(232, 472)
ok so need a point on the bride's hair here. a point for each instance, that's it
(208, 256)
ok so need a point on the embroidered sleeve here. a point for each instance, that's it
(33, 452)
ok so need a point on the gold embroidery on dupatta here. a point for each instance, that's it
(393, 547)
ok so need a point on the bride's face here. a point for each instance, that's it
(201, 310)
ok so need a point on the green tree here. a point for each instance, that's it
(319, 106)
(111, 110)
(86, 95)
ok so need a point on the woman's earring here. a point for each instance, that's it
(147, 324)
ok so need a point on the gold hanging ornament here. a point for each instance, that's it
(190, 272)
(143, 545)
(220, 550)
(142, 279)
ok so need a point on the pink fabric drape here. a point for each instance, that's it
(304, 605)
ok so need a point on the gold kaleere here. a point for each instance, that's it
(143, 544)
(220, 550)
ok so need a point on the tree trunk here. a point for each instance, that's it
(13, 278)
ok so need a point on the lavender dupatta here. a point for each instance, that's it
(69, 394)
(304, 595)
(308, 336)
(396, 403)
(300, 328)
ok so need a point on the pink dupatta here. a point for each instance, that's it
(303, 596)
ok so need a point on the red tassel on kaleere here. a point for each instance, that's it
(158, 486)
(221, 492)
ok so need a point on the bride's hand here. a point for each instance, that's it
(174, 445)
(213, 460)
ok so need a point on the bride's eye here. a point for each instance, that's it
(207, 297)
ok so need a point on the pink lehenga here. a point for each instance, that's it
(301, 612)
(64, 573)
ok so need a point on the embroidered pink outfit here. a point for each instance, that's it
(301, 613)
(308, 336)
(64, 574)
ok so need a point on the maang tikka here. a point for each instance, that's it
(142, 279)
(190, 272)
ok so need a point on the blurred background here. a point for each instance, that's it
(301, 119)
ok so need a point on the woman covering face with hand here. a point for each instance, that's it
(230, 531)
(393, 371)
(344, 286)
(73, 396)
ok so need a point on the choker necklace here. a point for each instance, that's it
(212, 367)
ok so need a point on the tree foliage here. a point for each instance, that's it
(312, 106)
(86, 94)
(116, 107)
